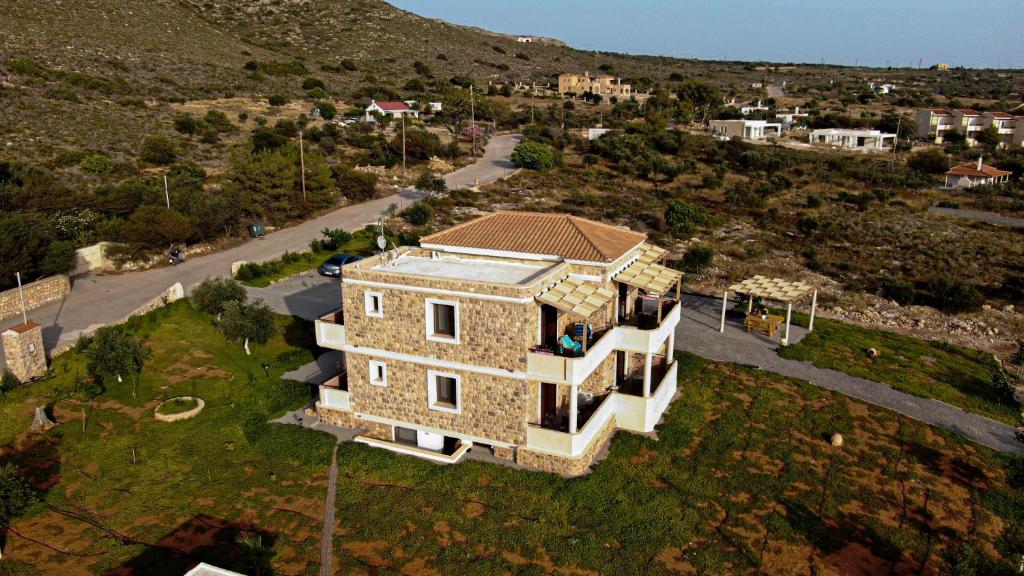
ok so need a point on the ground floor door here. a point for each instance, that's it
(548, 401)
(620, 366)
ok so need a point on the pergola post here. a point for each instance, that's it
(586, 340)
(573, 407)
(814, 305)
(660, 299)
(679, 290)
(789, 314)
(725, 302)
(647, 375)
(750, 303)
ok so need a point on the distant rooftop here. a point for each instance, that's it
(490, 271)
(554, 235)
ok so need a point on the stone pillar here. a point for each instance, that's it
(23, 348)
(573, 407)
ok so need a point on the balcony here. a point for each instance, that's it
(334, 393)
(630, 412)
(571, 445)
(330, 330)
(547, 366)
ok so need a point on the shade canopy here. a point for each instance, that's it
(577, 296)
(774, 288)
(645, 273)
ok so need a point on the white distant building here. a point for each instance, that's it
(751, 108)
(788, 118)
(969, 123)
(434, 107)
(525, 39)
(393, 109)
(852, 139)
(746, 129)
(882, 88)
(595, 133)
(204, 569)
(975, 174)
(933, 124)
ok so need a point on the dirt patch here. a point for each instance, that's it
(369, 551)
(134, 412)
(473, 509)
(419, 567)
(674, 561)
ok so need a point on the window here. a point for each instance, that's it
(443, 392)
(374, 303)
(442, 319)
(378, 373)
(405, 435)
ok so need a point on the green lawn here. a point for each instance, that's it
(741, 480)
(150, 496)
(954, 374)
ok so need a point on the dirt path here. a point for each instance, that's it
(327, 538)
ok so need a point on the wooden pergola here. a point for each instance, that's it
(579, 298)
(773, 289)
(647, 274)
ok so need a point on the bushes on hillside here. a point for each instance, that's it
(683, 217)
(929, 161)
(29, 246)
(418, 214)
(534, 155)
(158, 150)
(697, 258)
(355, 185)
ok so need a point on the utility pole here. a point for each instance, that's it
(472, 116)
(302, 167)
(167, 194)
(895, 143)
(403, 142)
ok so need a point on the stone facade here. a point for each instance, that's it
(490, 408)
(334, 417)
(37, 294)
(562, 464)
(23, 349)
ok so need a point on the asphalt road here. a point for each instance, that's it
(96, 300)
(979, 216)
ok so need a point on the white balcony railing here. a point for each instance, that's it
(330, 332)
(634, 413)
(571, 445)
(335, 399)
(563, 370)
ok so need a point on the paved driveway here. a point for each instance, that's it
(698, 333)
(98, 300)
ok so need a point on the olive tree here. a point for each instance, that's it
(115, 352)
(247, 322)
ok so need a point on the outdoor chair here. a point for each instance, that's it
(567, 344)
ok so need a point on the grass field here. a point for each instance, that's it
(954, 374)
(742, 480)
(132, 495)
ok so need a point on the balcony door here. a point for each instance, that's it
(623, 300)
(549, 326)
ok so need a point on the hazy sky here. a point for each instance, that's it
(975, 33)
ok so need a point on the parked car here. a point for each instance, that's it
(332, 266)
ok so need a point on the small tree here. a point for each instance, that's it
(684, 217)
(82, 393)
(115, 352)
(15, 493)
(7, 381)
(212, 294)
(697, 257)
(158, 150)
(534, 155)
(431, 183)
(336, 237)
(418, 214)
(247, 322)
(929, 161)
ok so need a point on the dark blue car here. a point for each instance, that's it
(332, 266)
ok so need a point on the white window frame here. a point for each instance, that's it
(374, 365)
(428, 312)
(432, 404)
(367, 304)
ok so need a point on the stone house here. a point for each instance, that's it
(603, 84)
(531, 336)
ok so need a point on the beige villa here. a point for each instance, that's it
(530, 336)
(603, 84)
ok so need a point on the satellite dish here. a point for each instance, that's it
(382, 242)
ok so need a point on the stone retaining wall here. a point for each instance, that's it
(37, 294)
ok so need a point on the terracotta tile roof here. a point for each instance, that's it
(563, 235)
(1001, 115)
(393, 106)
(940, 111)
(971, 169)
(24, 327)
(968, 112)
